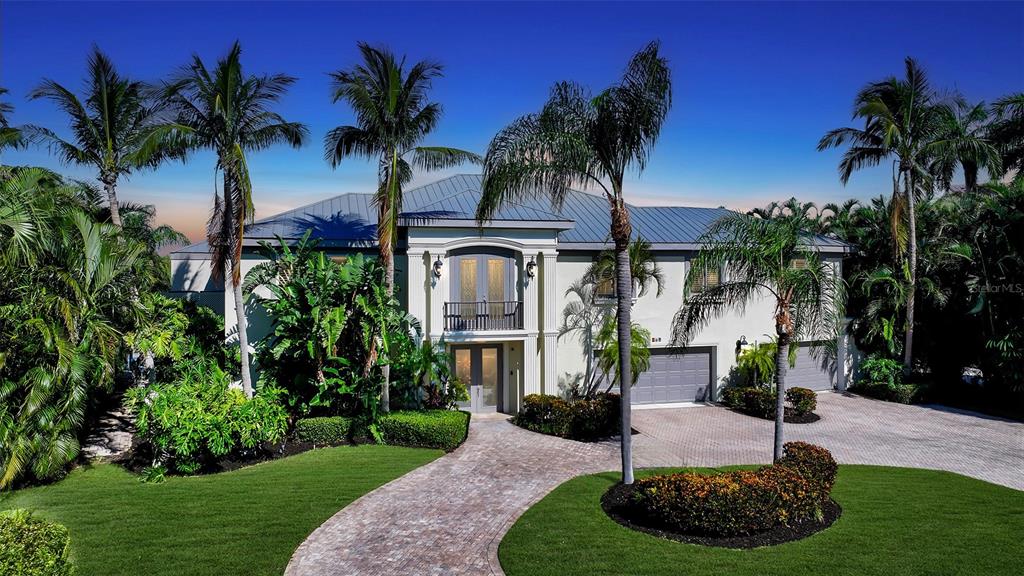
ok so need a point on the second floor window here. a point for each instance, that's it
(605, 288)
(711, 278)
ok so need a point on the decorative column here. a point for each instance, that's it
(531, 303)
(417, 291)
(549, 327)
(531, 366)
(438, 292)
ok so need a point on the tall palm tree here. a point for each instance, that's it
(644, 269)
(393, 116)
(10, 137)
(964, 141)
(589, 142)
(902, 120)
(227, 111)
(114, 129)
(760, 255)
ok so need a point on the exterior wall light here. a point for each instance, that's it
(531, 267)
(438, 265)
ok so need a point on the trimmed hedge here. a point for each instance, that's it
(803, 400)
(899, 393)
(742, 502)
(444, 429)
(30, 546)
(324, 430)
(583, 419)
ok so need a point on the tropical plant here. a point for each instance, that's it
(608, 356)
(590, 142)
(393, 116)
(760, 255)
(228, 112)
(115, 129)
(66, 289)
(1007, 130)
(10, 136)
(644, 269)
(200, 417)
(963, 141)
(903, 120)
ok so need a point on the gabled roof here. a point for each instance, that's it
(582, 222)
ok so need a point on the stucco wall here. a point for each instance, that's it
(755, 322)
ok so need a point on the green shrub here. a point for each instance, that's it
(733, 397)
(882, 378)
(814, 463)
(740, 502)
(444, 429)
(33, 547)
(200, 418)
(325, 430)
(803, 400)
(759, 402)
(581, 419)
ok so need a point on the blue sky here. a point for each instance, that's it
(756, 85)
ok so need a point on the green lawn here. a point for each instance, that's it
(244, 522)
(895, 521)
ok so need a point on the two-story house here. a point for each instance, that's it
(495, 294)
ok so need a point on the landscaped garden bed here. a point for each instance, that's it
(894, 521)
(584, 419)
(761, 402)
(786, 501)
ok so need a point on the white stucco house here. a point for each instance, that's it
(495, 294)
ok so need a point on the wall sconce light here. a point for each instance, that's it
(438, 265)
(531, 267)
(740, 344)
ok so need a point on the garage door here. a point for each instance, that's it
(682, 377)
(810, 372)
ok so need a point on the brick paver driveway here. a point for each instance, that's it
(856, 430)
(448, 517)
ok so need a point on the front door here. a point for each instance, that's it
(478, 366)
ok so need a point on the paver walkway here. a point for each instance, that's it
(856, 430)
(448, 517)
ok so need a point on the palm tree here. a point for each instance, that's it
(588, 142)
(65, 295)
(10, 137)
(588, 317)
(114, 129)
(762, 256)
(393, 116)
(963, 141)
(902, 120)
(226, 111)
(1008, 131)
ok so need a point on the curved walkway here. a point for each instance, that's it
(448, 517)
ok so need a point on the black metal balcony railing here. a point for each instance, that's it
(459, 316)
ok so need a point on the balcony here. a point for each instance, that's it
(483, 316)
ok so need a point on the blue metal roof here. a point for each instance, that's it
(583, 221)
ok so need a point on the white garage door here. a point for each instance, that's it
(809, 372)
(684, 377)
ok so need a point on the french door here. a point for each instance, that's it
(478, 366)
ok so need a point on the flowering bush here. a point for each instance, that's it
(741, 502)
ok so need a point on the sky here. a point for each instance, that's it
(755, 84)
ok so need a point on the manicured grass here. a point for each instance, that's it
(244, 522)
(895, 521)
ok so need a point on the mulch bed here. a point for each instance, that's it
(617, 504)
(791, 416)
